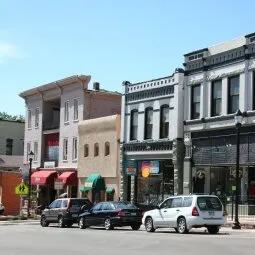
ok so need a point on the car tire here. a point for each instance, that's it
(44, 222)
(149, 225)
(213, 229)
(182, 226)
(135, 226)
(108, 224)
(82, 223)
(61, 222)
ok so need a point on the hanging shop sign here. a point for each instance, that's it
(130, 167)
(150, 166)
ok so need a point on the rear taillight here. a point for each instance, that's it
(195, 212)
(120, 214)
(225, 213)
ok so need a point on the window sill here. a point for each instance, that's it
(74, 160)
(29, 128)
(66, 123)
(75, 121)
(65, 160)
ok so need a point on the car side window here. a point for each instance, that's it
(64, 203)
(166, 204)
(53, 204)
(187, 201)
(97, 207)
(58, 204)
(177, 202)
(106, 207)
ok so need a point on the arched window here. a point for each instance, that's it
(164, 121)
(96, 149)
(86, 150)
(148, 126)
(133, 125)
(107, 148)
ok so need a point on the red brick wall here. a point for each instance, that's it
(11, 201)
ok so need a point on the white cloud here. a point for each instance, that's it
(9, 50)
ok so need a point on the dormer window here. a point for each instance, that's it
(196, 56)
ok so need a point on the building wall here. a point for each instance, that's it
(100, 130)
(11, 201)
(13, 130)
(33, 134)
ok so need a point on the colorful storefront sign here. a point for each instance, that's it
(130, 167)
(150, 167)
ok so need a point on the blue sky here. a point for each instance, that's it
(113, 40)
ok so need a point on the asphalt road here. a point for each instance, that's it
(35, 240)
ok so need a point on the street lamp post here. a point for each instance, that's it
(238, 123)
(31, 155)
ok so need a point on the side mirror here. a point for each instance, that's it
(47, 207)
(157, 207)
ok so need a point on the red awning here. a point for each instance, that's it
(69, 178)
(43, 177)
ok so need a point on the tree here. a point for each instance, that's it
(6, 116)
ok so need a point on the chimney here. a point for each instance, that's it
(96, 86)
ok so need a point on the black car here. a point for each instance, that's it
(112, 214)
(64, 211)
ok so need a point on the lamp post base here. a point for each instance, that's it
(236, 225)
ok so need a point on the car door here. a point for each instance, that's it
(173, 212)
(160, 214)
(56, 210)
(103, 213)
(49, 212)
(92, 217)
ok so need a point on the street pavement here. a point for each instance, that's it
(27, 239)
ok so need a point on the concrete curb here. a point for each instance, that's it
(19, 222)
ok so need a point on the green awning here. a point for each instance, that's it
(94, 181)
(110, 190)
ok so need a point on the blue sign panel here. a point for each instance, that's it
(130, 167)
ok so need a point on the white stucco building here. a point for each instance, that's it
(151, 138)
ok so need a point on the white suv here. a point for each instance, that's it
(185, 212)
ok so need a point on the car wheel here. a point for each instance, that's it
(44, 222)
(213, 229)
(182, 226)
(107, 224)
(135, 226)
(82, 223)
(149, 225)
(61, 223)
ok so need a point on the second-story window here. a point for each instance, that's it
(195, 102)
(75, 145)
(96, 149)
(134, 125)
(65, 149)
(29, 119)
(66, 116)
(233, 94)
(107, 149)
(216, 98)
(86, 150)
(28, 151)
(35, 151)
(9, 146)
(75, 109)
(148, 126)
(37, 117)
(164, 121)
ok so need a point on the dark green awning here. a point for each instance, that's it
(110, 190)
(94, 181)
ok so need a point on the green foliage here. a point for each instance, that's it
(6, 116)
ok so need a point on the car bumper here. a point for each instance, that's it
(125, 221)
(200, 222)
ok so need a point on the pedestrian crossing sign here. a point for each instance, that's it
(21, 189)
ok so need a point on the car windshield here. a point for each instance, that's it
(209, 203)
(79, 202)
(123, 205)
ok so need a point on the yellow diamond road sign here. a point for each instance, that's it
(21, 189)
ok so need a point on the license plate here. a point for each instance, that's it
(75, 215)
(211, 213)
(133, 214)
